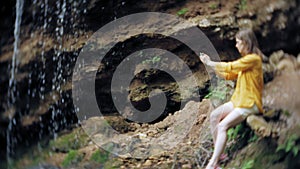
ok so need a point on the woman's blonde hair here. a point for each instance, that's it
(248, 38)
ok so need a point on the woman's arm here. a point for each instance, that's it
(242, 64)
(226, 75)
(206, 60)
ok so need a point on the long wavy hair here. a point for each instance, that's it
(249, 40)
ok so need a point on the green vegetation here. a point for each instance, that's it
(291, 145)
(220, 92)
(233, 133)
(248, 164)
(286, 113)
(239, 136)
(213, 6)
(33, 159)
(73, 140)
(112, 165)
(253, 138)
(258, 154)
(154, 60)
(100, 156)
(182, 11)
(73, 157)
(236, 138)
(243, 4)
(70, 143)
(216, 94)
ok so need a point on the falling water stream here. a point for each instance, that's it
(14, 69)
(42, 79)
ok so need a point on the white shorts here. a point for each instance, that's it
(245, 112)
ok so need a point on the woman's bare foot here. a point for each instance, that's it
(210, 166)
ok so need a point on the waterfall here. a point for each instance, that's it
(14, 65)
(14, 68)
(37, 97)
(42, 75)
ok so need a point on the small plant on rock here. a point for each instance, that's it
(182, 11)
(243, 4)
(248, 164)
(291, 145)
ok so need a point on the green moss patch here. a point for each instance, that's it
(100, 156)
(73, 157)
(72, 141)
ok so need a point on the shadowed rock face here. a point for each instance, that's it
(46, 54)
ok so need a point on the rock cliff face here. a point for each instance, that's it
(53, 34)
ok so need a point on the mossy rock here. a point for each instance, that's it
(256, 155)
(71, 141)
(72, 158)
(103, 159)
(100, 156)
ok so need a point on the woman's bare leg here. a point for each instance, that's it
(217, 115)
(231, 120)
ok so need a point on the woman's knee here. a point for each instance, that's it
(222, 127)
(214, 115)
(221, 111)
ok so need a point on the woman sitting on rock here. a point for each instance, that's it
(247, 97)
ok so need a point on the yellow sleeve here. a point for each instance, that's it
(241, 64)
(227, 76)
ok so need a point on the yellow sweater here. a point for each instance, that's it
(248, 72)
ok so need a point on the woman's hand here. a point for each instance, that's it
(204, 58)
